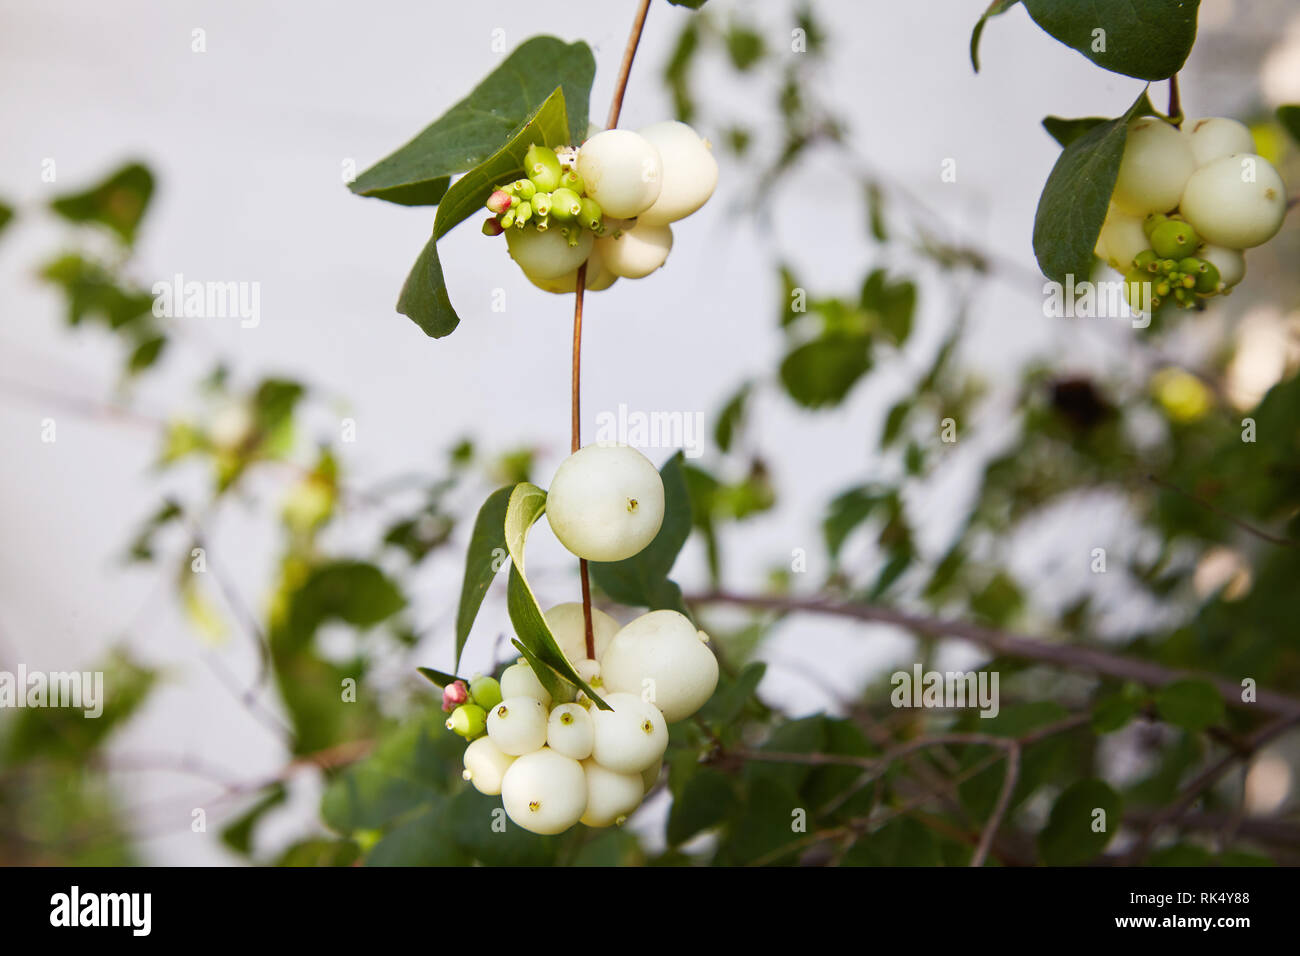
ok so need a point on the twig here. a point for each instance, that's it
(625, 70)
(1210, 506)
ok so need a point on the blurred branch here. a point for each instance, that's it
(1069, 656)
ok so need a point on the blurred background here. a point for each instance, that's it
(251, 118)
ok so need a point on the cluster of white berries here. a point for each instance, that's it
(1186, 202)
(559, 763)
(607, 203)
(556, 763)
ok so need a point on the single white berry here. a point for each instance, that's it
(518, 680)
(547, 255)
(598, 278)
(622, 171)
(231, 426)
(661, 655)
(518, 725)
(545, 792)
(630, 737)
(1122, 238)
(635, 253)
(588, 670)
(1215, 137)
(690, 172)
(1156, 165)
(569, 628)
(1230, 263)
(1238, 201)
(606, 502)
(569, 731)
(611, 795)
(486, 765)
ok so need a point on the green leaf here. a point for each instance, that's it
(642, 580)
(1114, 712)
(727, 703)
(119, 202)
(438, 678)
(731, 417)
(1071, 836)
(471, 131)
(474, 822)
(821, 372)
(1073, 205)
(1289, 117)
(994, 9)
(354, 592)
(893, 302)
(486, 556)
(145, 354)
(1066, 131)
(424, 298)
(705, 801)
(6, 214)
(527, 503)
(847, 511)
(1149, 40)
(546, 676)
(744, 47)
(690, 4)
(238, 833)
(1191, 704)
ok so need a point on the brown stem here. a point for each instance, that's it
(629, 54)
(1175, 104)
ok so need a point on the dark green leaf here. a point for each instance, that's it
(1076, 832)
(238, 833)
(642, 580)
(354, 592)
(744, 46)
(119, 202)
(893, 302)
(477, 126)
(821, 372)
(731, 417)
(486, 556)
(994, 8)
(1289, 117)
(1074, 201)
(847, 511)
(145, 354)
(1066, 131)
(480, 829)
(438, 678)
(706, 801)
(6, 215)
(1149, 40)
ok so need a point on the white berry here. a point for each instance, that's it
(1215, 137)
(598, 277)
(545, 792)
(1238, 201)
(569, 731)
(630, 737)
(547, 255)
(611, 795)
(588, 670)
(518, 680)
(518, 725)
(689, 170)
(622, 171)
(1156, 165)
(485, 765)
(1122, 239)
(1230, 263)
(662, 655)
(606, 502)
(569, 628)
(635, 253)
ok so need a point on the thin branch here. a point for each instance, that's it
(625, 70)
(1068, 656)
(1233, 519)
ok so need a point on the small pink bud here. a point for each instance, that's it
(499, 201)
(453, 695)
(492, 227)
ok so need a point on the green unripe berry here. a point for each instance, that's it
(1147, 261)
(571, 180)
(1152, 221)
(591, 215)
(508, 219)
(468, 720)
(1207, 277)
(1162, 289)
(566, 204)
(525, 189)
(543, 167)
(1167, 266)
(542, 203)
(1174, 239)
(523, 212)
(485, 691)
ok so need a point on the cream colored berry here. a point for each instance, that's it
(547, 255)
(630, 737)
(569, 731)
(1156, 165)
(1238, 201)
(606, 502)
(611, 796)
(486, 765)
(662, 656)
(569, 628)
(622, 171)
(690, 172)
(518, 725)
(545, 792)
(1123, 238)
(518, 680)
(1230, 263)
(1214, 137)
(635, 253)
